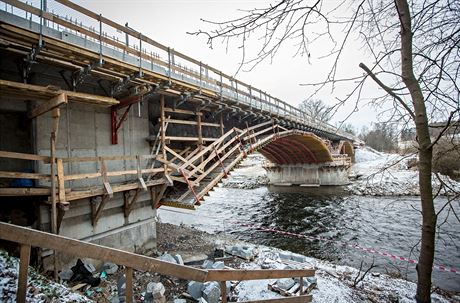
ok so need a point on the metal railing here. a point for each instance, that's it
(68, 21)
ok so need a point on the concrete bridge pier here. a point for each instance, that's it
(308, 175)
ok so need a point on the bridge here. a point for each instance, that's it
(102, 125)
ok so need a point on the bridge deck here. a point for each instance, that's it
(91, 40)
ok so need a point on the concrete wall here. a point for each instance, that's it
(85, 132)
(307, 174)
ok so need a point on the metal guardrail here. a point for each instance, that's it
(68, 21)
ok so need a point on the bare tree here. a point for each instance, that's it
(414, 49)
(317, 109)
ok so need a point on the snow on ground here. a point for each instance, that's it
(333, 282)
(380, 174)
(39, 288)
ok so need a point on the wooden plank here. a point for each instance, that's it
(129, 284)
(23, 156)
(189, 139)
(295, 299)
(48, 105)
(17, 175)
(81, 249)
(96, 215)
(181, 111)
(176, 155)
(30, 91)
(30, 191)
(81, 194)
(23, 269)
(60, 177)
(256, 274)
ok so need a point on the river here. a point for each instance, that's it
(386, 224)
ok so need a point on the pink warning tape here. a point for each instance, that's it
(355, 246)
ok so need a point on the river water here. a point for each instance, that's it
(386, 224)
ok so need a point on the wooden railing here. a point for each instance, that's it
(27, 238)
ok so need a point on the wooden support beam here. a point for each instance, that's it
(223, 291)
(45, 107)
(129, 284)
(188, 122)
(23, 269)
(181, 111)
(61, 210)
(105, 179)
(96, 210)
(128, 203)
(22, 156)
(159, 196)
(256, 274)
(139, 173)
(61, 182)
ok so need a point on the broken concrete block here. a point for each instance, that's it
(285, 284)
(211, 292)
(299, 258)
(180, 301)
(312, 280)
(157, 290)
(167, 258)
(207, 264)
(66, 274)
(178, 259)
(201, 300)
(244, 252)
(194, 289)
(285, 255)
(218, 265)
(110, 268)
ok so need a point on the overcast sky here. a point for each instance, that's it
(168, 21)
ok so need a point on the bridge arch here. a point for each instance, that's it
(295, 147)
(346, 148)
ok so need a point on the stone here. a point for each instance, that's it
(211, 292)
(168, 258)
(110, 268)
(299, 258)
(121, 287)
(285, 256)
(66, 274)
(180, 301)
(202, 300)
(312, 280)
(207, 264)
(194, 289)
(157, 290)
(218, 265)
(285, 284)
(244, 252)
(178, 259)
(90, 267)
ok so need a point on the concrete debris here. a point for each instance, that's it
(211, 292)
(285, 284)
(121, 287)
(245, 252)
(202, 300)
(179, 259)
(66, 274)
(168, 258)
(180, 301)
(90, 267)
(312, 280)
(110, 268)
(195, 289)
(207, 264)
(218, 265)
(156, 290)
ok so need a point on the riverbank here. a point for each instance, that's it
(334, 283)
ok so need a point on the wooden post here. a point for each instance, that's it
(301, 286)
(56, 113)
(223, 291)
(200, 133)
(163, 132)
(222, 124)
(129, 285)
(22, 279)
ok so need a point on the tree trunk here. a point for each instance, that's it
(425, 264)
